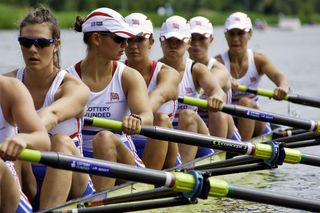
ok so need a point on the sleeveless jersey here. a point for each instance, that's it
(7, 130)
(71, 127)
(168, 108)
(228, 100)
(250, 79)
(186, 88)
(108, 103)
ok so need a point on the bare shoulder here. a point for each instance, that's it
(220, 66)
(260, 58)
(167, 70)
(198, 67)
(131, 74)
(11, 73)
(12, 88)
(219, 58)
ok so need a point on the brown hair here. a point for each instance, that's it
(78, 28)
(39, 15)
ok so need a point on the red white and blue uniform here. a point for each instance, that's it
(71, 127)
(169, 108)
(110, 103)
(204, 113)
(6, 131)
(250, 79)
(187, 88)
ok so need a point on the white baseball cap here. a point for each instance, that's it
(201, 25)
(141, 22)
(106, 19)
(175, 26)
(238, 20)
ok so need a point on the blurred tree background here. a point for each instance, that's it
(216, 10)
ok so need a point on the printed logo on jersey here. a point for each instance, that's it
(114, 96)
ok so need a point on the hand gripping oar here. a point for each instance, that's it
(261, 151)
(254, 114)
(193, 184)
(294, 98)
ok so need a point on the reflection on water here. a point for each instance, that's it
(294, 53)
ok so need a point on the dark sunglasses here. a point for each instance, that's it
(37, 42)
(233, 33)
(116, 38)
(137, 39)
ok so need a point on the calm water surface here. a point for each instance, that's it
(295, 53)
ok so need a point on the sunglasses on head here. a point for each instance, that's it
(37, 42)
(116, 38)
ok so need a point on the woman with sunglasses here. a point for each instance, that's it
(15, 112)
(175, 36)
(60, 100)
(246, 68)
(117, 91)
(162, 82)
(219, 124)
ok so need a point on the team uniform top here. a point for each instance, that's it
(250, 79)
(6, 131)
(186, 88)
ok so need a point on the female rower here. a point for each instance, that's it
(162, 82)
(60, 100)
(17, 111)
(175, 36)
(246, 68)
(220, 124)
(116, 90)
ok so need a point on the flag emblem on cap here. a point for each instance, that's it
(175, 25)
(136, 21)
(198, 23)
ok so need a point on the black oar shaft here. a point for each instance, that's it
(300, 144)
(273, 198)
(137, 206)
(310, 160)
(105, 168)
(237, 169)
(195, 139)
(304, 100)
(299, 137)
(268, 117)
(256, 114)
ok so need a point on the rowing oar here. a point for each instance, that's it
(254, 114)
(193, 184)
(294, 98)
(260, 151)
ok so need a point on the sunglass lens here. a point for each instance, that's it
(25, 42)
(119, 39)
(38, 42)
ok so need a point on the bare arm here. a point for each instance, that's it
(205, 80)
(136, 92)
(266, 66)
(70, 102)
(19, 110)
(166, 89)
(222, 75)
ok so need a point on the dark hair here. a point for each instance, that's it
(39, 15)
(78, 28)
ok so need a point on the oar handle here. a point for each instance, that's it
(294, 98)
(259, 91)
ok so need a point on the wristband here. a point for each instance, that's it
(137, 117)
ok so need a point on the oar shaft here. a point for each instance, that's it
(273, 198)
(99, 167)
(294, 98)
(191, 138)
(256, 114)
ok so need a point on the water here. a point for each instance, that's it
(295, 53)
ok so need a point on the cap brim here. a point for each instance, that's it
(174, 35)
(201, 32)
(237, 26)
(127, 32)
